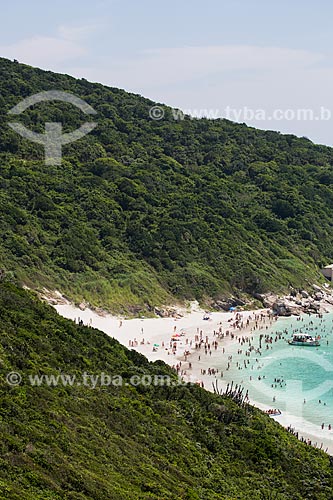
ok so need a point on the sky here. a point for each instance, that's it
(266, 63)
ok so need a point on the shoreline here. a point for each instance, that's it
(152, 338)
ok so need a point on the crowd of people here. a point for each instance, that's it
(237, 350)
(254, 336)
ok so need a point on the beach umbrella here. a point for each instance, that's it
(156, 345)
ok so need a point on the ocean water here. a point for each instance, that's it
(298, 380)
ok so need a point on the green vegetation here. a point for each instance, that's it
(127, 442)
(142, 213)
(145, 212)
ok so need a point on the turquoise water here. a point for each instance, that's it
(296, 379)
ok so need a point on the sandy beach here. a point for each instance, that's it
(152, 336)
(200, 350)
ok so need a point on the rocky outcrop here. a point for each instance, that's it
(226, 304)
(168, 312)
(285, 308)
(281, 309)
(299, 302)
(296, 303)
(53, 297)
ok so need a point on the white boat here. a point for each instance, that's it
(304, 339)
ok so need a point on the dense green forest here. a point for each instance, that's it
(131, 442)
(143, 212)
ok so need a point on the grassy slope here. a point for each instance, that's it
(125, 443)
(143, 212)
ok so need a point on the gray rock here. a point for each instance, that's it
(269, 300)
(281, 309)
(225, 304)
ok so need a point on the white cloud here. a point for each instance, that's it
(45, 52)
(177, 65)
(50, 52)
(76, 33)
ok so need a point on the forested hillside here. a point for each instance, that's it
(130, 442)
(142, 212)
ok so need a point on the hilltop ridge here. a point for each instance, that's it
(146, 212)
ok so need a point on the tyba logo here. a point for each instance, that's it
(53, 139)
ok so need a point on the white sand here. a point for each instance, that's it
(159, 331)
(155, 330)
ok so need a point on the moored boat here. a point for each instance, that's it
(304, 339)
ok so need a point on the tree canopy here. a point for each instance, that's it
(144, 212)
